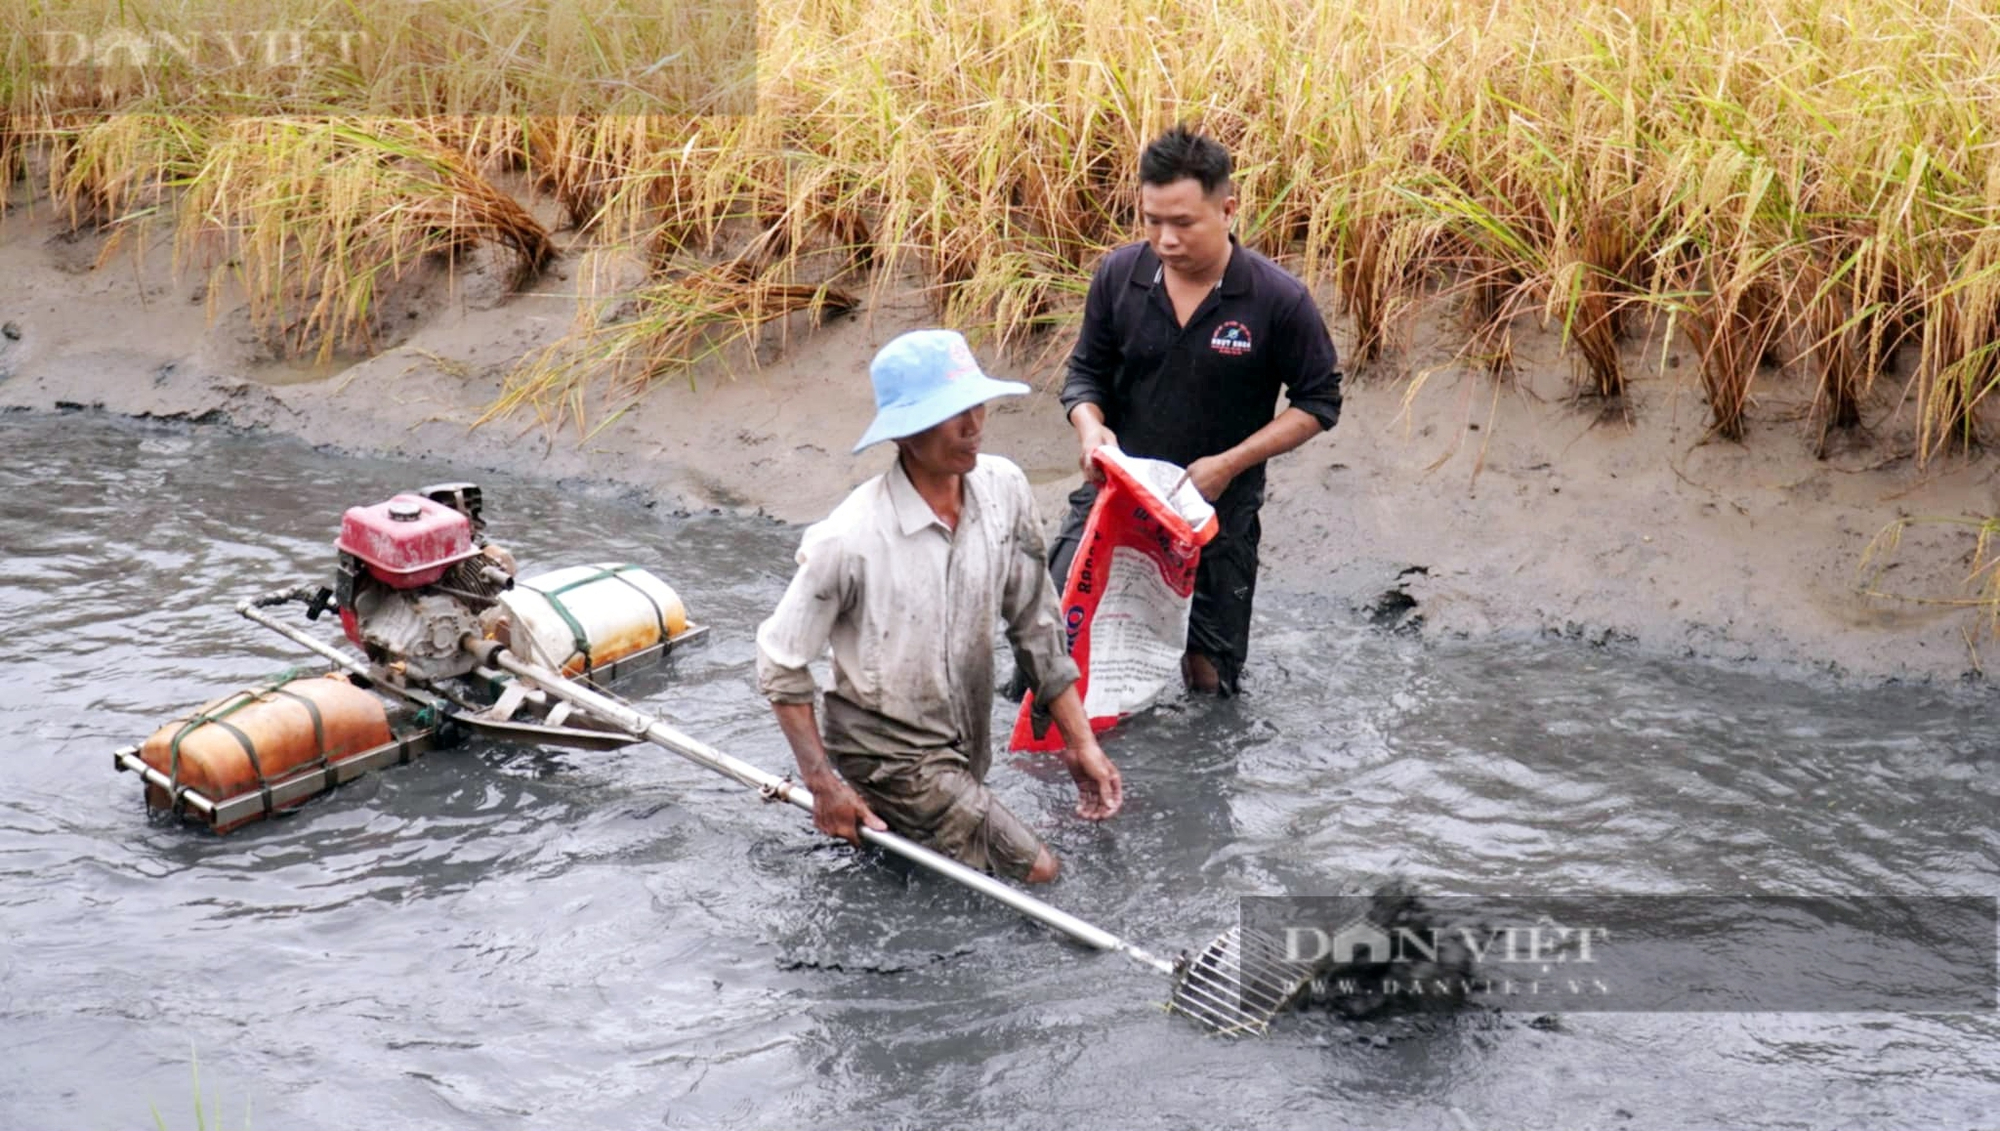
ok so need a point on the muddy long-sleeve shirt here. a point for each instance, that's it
(909, 607)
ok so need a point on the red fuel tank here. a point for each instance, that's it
(408, 541)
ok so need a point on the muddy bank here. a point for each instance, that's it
(1460, 511)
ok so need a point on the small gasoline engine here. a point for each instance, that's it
(415, 576)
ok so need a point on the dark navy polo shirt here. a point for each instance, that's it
(1181, 393)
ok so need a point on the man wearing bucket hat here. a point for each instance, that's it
(905, 580)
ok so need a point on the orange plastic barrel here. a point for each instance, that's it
(240, 742)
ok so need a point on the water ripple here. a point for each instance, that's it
(495, 935)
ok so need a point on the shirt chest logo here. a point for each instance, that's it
(1231, 339)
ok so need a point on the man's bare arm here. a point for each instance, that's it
(1211, 475)
(1100, 791)
(1088, 420)
(837, 809)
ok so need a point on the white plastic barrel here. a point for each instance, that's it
(584, 617)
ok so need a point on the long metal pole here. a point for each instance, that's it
(642, 725)
(253, 608)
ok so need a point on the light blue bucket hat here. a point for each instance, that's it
(924, 378)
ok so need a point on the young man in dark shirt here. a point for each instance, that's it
(1188, 337)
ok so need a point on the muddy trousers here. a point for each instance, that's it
(935, 798)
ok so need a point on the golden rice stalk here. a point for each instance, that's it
(1366, 277)
(1960, 368)
(1593, 331)
(14, 149)
(1596, 159)
(1734, 326)
(118, 170)
(13, 153)
(587, 162)
(1821, 305)
(1492, 293)
(664, 329)
(1589, 282)
(314, 219)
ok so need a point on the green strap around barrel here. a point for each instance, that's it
(659, 614)
(275, 685)
(200, 719)
(319, 724)
(576, 632)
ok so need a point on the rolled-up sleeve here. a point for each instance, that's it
(1313, 382)
(1030, 604)
(1094, 363)
(797, 631)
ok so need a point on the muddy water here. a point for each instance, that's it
(504, 937)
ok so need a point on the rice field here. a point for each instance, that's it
(1803, 190)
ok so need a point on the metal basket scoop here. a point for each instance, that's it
(1238, 984)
